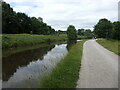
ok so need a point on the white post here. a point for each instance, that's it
(119, 11)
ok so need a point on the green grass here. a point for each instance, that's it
(66, 73)
(111, 45)
(17, 40)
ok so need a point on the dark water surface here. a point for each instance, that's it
(26, 68)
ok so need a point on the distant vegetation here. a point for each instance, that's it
(112, 45)
(85, 33)
(20, 23)
(106, 29)
(81, 33)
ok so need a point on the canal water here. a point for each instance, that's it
(26, 68)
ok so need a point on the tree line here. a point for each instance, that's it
(17, 23)
(106, 29)
(72, 33)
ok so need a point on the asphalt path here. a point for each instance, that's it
(99, 67)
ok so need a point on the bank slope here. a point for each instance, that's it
(21, 40)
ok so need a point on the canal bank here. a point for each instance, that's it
(22, 40)
(66, 73)
(26, 67)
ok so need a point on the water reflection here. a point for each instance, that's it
(28, 76)
(16, 60)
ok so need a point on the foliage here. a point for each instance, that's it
(112, 45)
(81, 32)
(61, 32)
(16, 23)
(85, 34)
(88, 34)
(66, 73)
(24, 22)
(104, 29)
(9, 19)
(71, 33)
(116, 30)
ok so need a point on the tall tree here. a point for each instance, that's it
(35, 25)
(71, 33)
(103, 29)
(116, 34)
(20, 23)
(25, 23)
(9, 24)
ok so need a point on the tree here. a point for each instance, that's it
(25, 23)
(39, 27)
(16, 23)
(35, 25)
(88, 33)
(9, 24)
(81, 32)
(103, 29)
(71, 33)
(116, 30)
(61, 32)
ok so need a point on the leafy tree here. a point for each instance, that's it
(116, 29)
(88, 33)
(9, 24)
(44, 29)
(35, 25)
(103, 29)
(39, 27)
(25, 23)
(71, 33)
(81, 32)
(61, 32)
(20, 23)
(52, 31)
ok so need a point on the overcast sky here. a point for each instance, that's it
(62, 13)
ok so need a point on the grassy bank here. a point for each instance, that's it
(66, 73)
(111, 45)
(17, 40)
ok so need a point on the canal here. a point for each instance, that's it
(26, 68)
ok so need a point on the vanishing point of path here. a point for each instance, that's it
(99, 67)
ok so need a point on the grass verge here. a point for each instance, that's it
(18, 40)
(66, 73)
(112, 45)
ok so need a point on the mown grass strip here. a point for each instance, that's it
(66, 73)
(112, 45)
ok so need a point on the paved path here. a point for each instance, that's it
(99, 67)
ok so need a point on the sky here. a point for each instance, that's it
(62, 13)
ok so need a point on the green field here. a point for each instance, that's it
(17, 40)
(112, 45)
(66, 73)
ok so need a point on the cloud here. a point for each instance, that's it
(61, 13)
